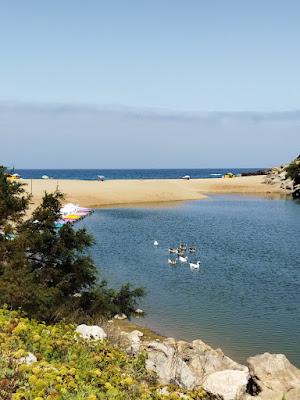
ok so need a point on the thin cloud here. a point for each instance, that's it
(147, 113)
(86, 136)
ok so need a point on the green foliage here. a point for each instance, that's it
(13, 199)
(69, 368)
(293, 171)
(47, 271)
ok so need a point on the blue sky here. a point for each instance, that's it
(182, 58)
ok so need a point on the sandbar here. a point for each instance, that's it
(121, 192)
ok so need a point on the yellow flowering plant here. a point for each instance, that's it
(70, 368)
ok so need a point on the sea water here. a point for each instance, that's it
(245, 298)
(91, 174)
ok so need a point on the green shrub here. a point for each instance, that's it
(46, 271)
(293, 171)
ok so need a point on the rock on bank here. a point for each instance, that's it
(196, 364)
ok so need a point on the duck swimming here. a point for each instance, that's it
(182, 247)
(192, 249)
(183, 259)
(195, 265)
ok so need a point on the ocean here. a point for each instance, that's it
(91, 174)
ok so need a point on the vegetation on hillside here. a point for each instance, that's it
(293, 171)
(70, 368)
(46, 271)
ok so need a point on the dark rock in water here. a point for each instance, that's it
(258, 172)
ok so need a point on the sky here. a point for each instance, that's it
(139, 84)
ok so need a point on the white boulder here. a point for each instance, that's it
(91, 332)
(120, 316)
(131, 341)
(139, 311)
(29, 359)
(227, 384)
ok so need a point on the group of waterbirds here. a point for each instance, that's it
(181, 255)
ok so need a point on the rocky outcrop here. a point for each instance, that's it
(257, 172)
(278, 176)
(91, 332)
(196, 364)
(275, 377)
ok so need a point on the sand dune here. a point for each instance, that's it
(117, 192)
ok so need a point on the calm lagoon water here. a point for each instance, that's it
(246, 296)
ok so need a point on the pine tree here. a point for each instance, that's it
(46, 271)
(13, 199)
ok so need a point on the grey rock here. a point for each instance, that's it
(163, 359)
(275, 376)
(131, 341)
(227, 384)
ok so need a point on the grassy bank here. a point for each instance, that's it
(68, 367)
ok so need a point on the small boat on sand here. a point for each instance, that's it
(172, 262)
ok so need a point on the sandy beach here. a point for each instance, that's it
(122, 192)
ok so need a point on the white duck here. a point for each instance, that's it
(155, 243)
(195, 265)
(182, 259)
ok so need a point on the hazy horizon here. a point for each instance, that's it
(62, 136)
(149, 85)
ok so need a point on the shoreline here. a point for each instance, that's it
(97, 194)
